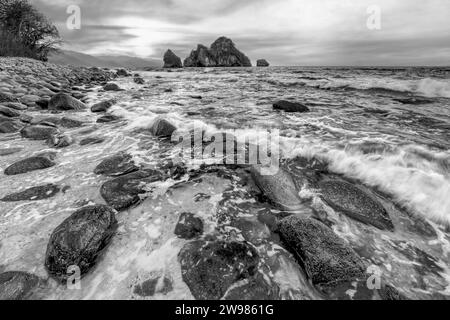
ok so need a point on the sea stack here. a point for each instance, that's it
(262, 63)
(222, 53)
(171, 60)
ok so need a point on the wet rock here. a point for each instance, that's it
(355, 203)
(70, 123)
(262, 63)
(252, 289)
(326, 258)
(279, 189)
(43, 103)
(189, 226)
(123, 73)
(290, 106)
(111, 87)
(35, 194)
(30, 164)
(162, 128)
(157, 285)
(139, 80)
(103, 106)
(108, 118)
(414, 100)
(91, 140)
(16, 106)
(8, 112)
(29, 99)
(17, 285)
(210, 268)
(10, 126)
(125, 191)
(39, 132)
(59, 140)
(4, 97)
(65, 102)
(171, 60)
(80, 240)
(117, 165)
(9, 151)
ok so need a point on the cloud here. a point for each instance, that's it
(286, 32)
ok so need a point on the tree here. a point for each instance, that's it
(23, 28)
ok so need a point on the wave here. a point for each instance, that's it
(416, 178)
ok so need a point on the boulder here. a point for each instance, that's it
(162, 128)
(43, 103)
(125, 191)
(59, 140)
(4, 97)
(355, 203)
(290, 106)
(108, 118)
(30, 164)
(326, 258)
(280, 189)
(8, 112)
(210, 268)
(139, 80)
(103, 106)
(9, 151)
(223, 53)
(171, 60)
(70, 123)
(16, 106)
(17, 285)
(414, 100)
(79, 240)
(10, 126)
(91, 140)
(65, 102)
(39, 132)
(111, 87)
(262, 63)
(123, 73)
(189, 226)
(33, 194)
(116, 165)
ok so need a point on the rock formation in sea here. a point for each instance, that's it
(262, 63)
(171, 60)
(222, 53)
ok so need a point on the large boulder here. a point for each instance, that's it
(326, 258)
(9, 112)
(111, 87)
(290, 106)
(116, 165)
(103, 106)
(80, 240)
(262, 63)
(33, 194)
(223, 53)
(189, 226)
(211, 268)
(10, 126)
(280, 189)
(39, 132)
(162, 128)
(125, 191)
(39, 162)
(355, 203)
(17, 285)
(59, 140)
(171, 60)
(65, 102)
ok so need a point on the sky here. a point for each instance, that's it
(284, 32)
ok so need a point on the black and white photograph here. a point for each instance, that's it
(224, 156)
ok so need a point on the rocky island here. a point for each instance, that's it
(222, 53)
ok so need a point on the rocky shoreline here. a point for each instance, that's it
(235, 258)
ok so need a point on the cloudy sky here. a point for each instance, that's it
(285, 32)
